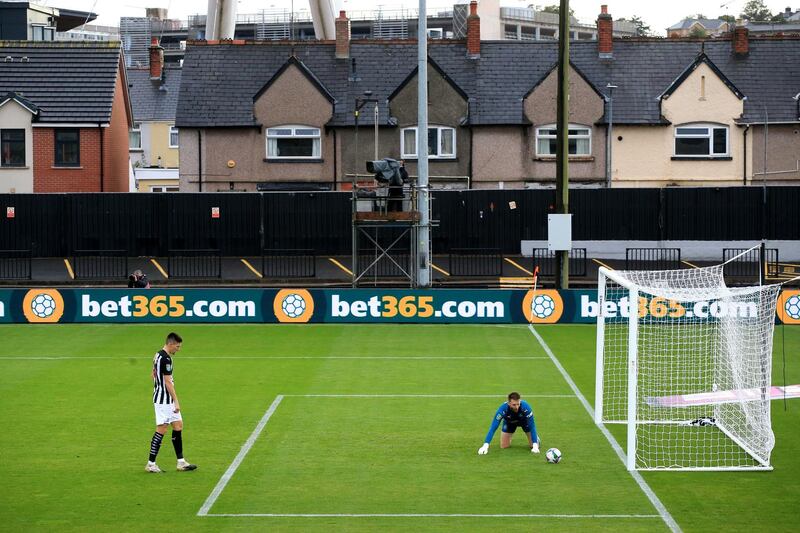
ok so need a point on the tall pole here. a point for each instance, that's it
(423, 199)
(562, 143)
(610, 136)
(376, 130)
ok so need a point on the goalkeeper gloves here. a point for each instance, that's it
(484, 449)
(535, 447)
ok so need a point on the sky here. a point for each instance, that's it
(657, 14)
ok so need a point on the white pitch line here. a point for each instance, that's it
(500, 395)
(432, 515)
(662, 510)
(239, 458)
(301, 357)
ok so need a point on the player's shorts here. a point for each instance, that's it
(511, 428)
(164, 414)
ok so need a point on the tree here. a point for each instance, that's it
(699, 32)
(756, 10)
(553, 9)
(730, 19)
(642, 29)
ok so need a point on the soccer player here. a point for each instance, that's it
(514, 413)
(167, 407)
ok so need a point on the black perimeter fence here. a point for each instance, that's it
(305, 224)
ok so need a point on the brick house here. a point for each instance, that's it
(260, 115)
(64, 117)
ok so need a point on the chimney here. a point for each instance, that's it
(473, 31)
(605, 34)
(741, 42)
(342, 36)
(156, 59)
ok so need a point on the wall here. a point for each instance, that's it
(783, 153)
(158, 145)
(17, 179)
(644, 157)
(115, 143)
(49, 178)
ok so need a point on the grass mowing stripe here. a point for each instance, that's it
(662, 511)
(223, 357)
(433, 515)
(239, 458)
(500, 395)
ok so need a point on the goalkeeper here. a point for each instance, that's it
(514, 413)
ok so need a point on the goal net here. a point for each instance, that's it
(686, 363)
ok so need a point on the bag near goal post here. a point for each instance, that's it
(686, 363)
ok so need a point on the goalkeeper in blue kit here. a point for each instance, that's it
(514, 413)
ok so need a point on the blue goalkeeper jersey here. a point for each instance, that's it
(522, 418)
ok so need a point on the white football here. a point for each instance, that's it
(553, 455)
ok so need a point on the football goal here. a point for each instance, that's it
(686, 363)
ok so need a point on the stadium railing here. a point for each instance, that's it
(476, 262)
(652, 258)
(545, 259)
(747, 265)
(194, 264)
(288, 263)
(100, 264)
(15, 264)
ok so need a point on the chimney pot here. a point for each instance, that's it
(604, 9)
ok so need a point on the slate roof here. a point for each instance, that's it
(154, 101)
(68, 82)
(219, 81)
(709, 24)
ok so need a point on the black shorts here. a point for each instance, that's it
(511, 428)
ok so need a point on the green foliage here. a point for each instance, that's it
(698, 32)
(555, 9)
(757, 11)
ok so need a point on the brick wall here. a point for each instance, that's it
(47, 178)
(115, 144)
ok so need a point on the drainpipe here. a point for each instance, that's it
(199, 160)
(744, 169)
(102, 159)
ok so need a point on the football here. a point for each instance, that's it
(553, 455)
(293, 305)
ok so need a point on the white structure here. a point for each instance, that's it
(686, 363)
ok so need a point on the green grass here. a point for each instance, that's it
(76, 433)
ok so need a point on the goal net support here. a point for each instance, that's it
(665, 335)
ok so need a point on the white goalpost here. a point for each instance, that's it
(686, 363)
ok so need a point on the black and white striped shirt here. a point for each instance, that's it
(162, 366)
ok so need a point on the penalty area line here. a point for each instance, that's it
(430, 515)
(239, 458)
(662, 510)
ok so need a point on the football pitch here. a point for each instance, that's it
(347, 428)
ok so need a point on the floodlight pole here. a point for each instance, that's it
(562, 144)
(423, 198)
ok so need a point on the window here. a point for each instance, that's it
(441, 142)
(163, 188)
(12, 148)
(701, 140)
(135, 137)
(293, 142)
(68, 148)
(579, 140)
(173, 137)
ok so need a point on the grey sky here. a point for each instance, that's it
(657, 14)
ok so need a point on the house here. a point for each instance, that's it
(64, 117)
(692, 112)
(690, 27)
(154, 137)
(27, 21)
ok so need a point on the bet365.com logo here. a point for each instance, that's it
(789, 307)
(542, 306)
(43, 306)
(293, 305)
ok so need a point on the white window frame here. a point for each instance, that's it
(710, 127)
(587, 136)
(272, 133)
(136, 128)
(174, 131)
(410, 152)
(164, 188)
